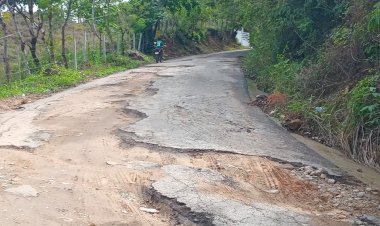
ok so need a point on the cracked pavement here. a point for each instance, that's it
(181, 130)
(181, 184)
(201, 104)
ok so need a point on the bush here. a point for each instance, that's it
(360, 136)
(364, 104)
(40, 83)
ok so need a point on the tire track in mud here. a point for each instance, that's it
(270, 180)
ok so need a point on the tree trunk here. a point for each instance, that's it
(33, 48)
(51, 36)
(107, 28)
(100, 44)
(22, 42)
(34, 30)
(5, 50)
(122, 44)
(63, 50)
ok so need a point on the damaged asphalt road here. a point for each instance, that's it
(181, 184)
(201, 104)
(166, 144)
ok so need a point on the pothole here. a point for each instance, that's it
(134, 113)
(180, 214)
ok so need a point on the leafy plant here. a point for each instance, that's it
(364, 104)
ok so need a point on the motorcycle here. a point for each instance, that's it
(158, 53)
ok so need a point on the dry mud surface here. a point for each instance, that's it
(167, 144)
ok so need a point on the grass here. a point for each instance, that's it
(253, 91)
(40, 83)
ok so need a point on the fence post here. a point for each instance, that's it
(118, 49)
(85, 47)
(134, 41)
(75, 52)
(93, 48)
(104, 48)
(19, 67)
(129, 42)
(140, 39)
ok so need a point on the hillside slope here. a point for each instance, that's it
(324, 58)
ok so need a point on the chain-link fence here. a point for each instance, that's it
(82, 47)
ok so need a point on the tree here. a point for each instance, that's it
(67, 14)
(34, 23)
(4, 17)
(50, 8)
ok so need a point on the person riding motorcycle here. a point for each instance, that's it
(159, 49)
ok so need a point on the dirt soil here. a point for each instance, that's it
(85, 175)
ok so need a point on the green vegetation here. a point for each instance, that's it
(322, 54)
(55, 78)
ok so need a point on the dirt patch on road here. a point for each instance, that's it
(15, 103)
(258, 180)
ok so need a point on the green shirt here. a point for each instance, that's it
(159, 44)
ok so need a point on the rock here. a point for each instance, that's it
(308, 177)
(341, 216)
(124, 195)
(371, 220)
(331, 181)
(288, 167)
(332, 190)
(261, 97)
(323, 176)
(360, 194)
(326, 197)
(110, 163)
(272, 191)
(294, 124)
(66, 219)
(135, 55)
(308, 169)
(314, 173)
(272, 112)
(368, 189)
(149, 210)
(318, 172)
(23, 190)
(15, 180)
(356, 190)
(358, 222)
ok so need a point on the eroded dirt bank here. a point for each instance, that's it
(100, 153)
